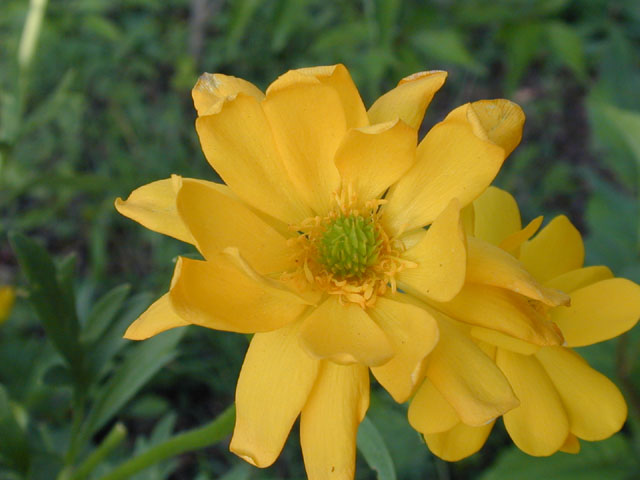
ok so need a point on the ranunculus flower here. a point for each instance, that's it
(316, 244)
(562, 399)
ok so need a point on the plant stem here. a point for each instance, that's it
(117, 434)
(194, 439)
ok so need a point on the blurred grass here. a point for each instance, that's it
(104, 107)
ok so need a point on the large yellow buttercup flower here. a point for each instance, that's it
(316, 243)
(561, 398)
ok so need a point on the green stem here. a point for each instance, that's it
(117, 434)
(194, 439)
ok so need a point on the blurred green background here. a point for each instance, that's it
(100, 104)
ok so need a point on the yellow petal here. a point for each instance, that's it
(337, 77)
(409, 100)
(159, 317)
(440, 257)
(451, 162)
(496, 215)
(154, 206)
(370, 159)
(507, 342)
(512, 243)
(308, 123)
(599, 311)
(503, 311)
(239, 145)
(429, 411)
(580, 277)
(217, 294)
(571, 444)
(274, 383)
(595, 406)
(555, 250)
(500, 121)
(459, 442)
(413, 333)
(217, 221)
(490, 265)
(330, 420)
(345, 334)
(467, 378)
(213, 89)
(539, 426)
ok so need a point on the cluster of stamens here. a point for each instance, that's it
(347, 253)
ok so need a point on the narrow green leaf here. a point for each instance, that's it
(143, 361)
(103, 312)
(53, 304)
(446, 46)
(567, 46)
(374, 450)
(14, 447)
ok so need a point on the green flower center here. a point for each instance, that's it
(349, 245)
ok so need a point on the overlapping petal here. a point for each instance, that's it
(370, 159)
(413, 333)
(329, 421)
(276, 378)
(496, 216)
(459, 442)
(219, 295)
(429, 412)
(213, 89)
(159, 317)
(345, 334)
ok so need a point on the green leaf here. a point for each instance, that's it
(103, 312)
(241, 471)
(140, 365)
(14, 447)
(374, 450)
(567, 46)
(53, 304)
(611, 459)
(522, 43)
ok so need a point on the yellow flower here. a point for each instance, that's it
(7, 297)
(562, 399)
(313, 239)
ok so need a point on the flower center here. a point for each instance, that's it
(349, 245)
(347, 253)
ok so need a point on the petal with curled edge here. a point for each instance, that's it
(217, 220)
(154, 207)
(308, 123)
(345, 334)
(429, 411)
(330, 419)
(409, 99)
(503, 311)
(539, 426)
(222, 295)
(467, 378)
(595, 406)
(490, 265)
(413, 333)
(213, 89)
(440, 258)
(275, 381)
(512, 243)
(555, 250)
(599, 311)
(238, 143)
(338, 77)
(500, 121)
(370, 159)
(159, 317)
(460, 442)
(451, 162)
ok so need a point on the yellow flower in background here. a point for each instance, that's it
(310, 243)
(562, 399)
(7, 298)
